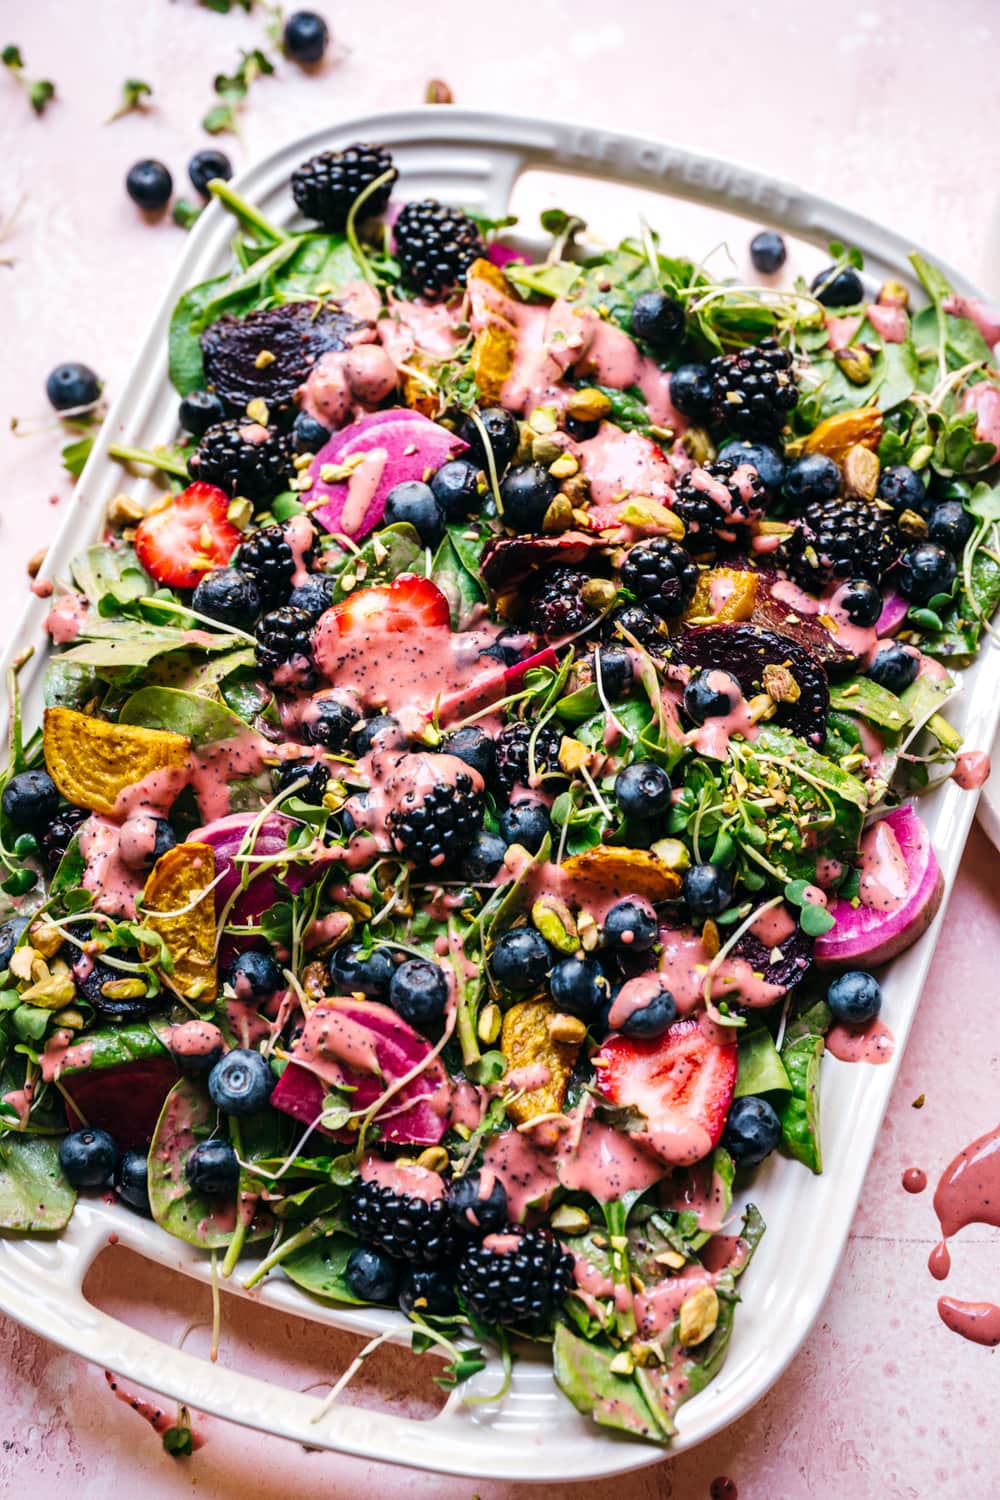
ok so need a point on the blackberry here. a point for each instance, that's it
(512, 745)
(284, 648)
(557, 606)
(244, 458)
(521, 1277)
(404, 1226)
(660, 574)
(56, 838)
(267, 556)
(430, 827)
(753, 390)
(436, 245)
(325, 186)
(716, 507)
(841, 539)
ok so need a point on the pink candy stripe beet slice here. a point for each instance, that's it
(411, 445)
(225, 836)
(864, 936)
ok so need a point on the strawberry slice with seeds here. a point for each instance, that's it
(682, 1082)
(409, 602)
(191, 535)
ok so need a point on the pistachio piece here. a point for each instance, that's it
(672, 852)
(543, 419)
(435, 1159)
(564, 467)
(558, 517)
(52, 992)
(438, 92)
(124, 989)
(569, 1029)
(21, 961)
(71, 1018)
(123, 510)
(568, 1219)
(240, 512)
(861, 473)
(779, 683)
(314, 980)
(488, 1025)
(673, 1259)
(572, 754)
(855, 364)
(588, 405)
(640, 510)
(36, 560)
(912, 524)
(599, 593)
(554, 921)
(699, 1315)
(257, 411)
(710, 940)
(547, 448)
(622, 1364)
(45, 938)
(894, 294)
(264, 358)
(590, 933)
(698, 445)
(577, 492)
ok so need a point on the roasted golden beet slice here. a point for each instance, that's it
(180, 908)
(93, 762)
(627, 872)
(269, 353)
(745, 651)
(528, 1045)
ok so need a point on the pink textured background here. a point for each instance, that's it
(890, 107)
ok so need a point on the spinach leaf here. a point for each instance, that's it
(34, 1194)
(462, 588)
(201, 720)
(866, 699)
(800, 1124)
(184, 361)
(111, 1046)
(107, 644)
(583, 1373)
(68, 685)
(321, 1266)
(110, 573)
(394, 550)
(548, 281)
(760, 1066)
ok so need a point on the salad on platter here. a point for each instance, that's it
(472, 798)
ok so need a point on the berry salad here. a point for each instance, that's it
(474, 794)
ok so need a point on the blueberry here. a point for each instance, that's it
(413, 502)
(371, 1275)
(527, 492)
(205, 166)
(691, 391)
(767, 252)
(521, 959)
(456, 489)
(854, 997)
(652, 1019)
(477, 1204)
(229, 596)
(643, 790)
(355, 972)
(616, 670)
(634, 619)
(138, 854)
(752, 1130)
(200, 410)
(308, 435)
(314, 595)
(811, 477)
(579, 987)
(255, 975)
(861, 601)
(483, 858)
(310, 779)
(837, 288)
(212, 1168)
(201, 1051)
(371, 730)
(305, 39)
(903, 488)
(768, 461)
(708, 890)
(87, 1157)
(710, 694)
(894, 668)
(502, 431)
(427, 1291)
(526, 822)
(658, 319)
(473, 746)
(330, 723)
(149, 185)
(132, 1180)
(631, 924)
(10, 932)
(509, 647)
(241, 1082)
(30, 800)
(950, 525)
(925, 570)
(418, 991)
(71, 386)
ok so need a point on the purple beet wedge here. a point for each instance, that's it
(901, 890)
(805, 627)
(744, 651)
(782, 963)
(404, 445)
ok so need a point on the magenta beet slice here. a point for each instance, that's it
(225, 836)
(894, 611)
(866, 935)
(413, 447)
(744, 651)
(410, 1116)
(509, 559)
(125, 1101)
(491, 687)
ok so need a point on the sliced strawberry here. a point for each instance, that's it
(682, 1082)
(409, 602)
(191, 535)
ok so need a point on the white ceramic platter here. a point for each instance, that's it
(476, 160)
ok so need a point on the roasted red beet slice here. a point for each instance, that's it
(295, 333)
(774, 613)
(125, 1100)
(744, 651)
(510, 559)
(793, 965)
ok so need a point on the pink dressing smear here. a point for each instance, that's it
(968, 1192)
(871, 1043)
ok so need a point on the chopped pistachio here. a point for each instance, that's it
(640, 510)
(50, 991)
(264, 358)
(46, 939)
(622, 1364)
(488, 1025)
(698, 445)
(855, 364)
(569, 1219)
(780, 685)
(699, 1316)
(124, 989)
(435, 1159)
(257, 411)
(558, 517)
(861, 472)
(21, 961)
(122, 509)
(572, 754)
(599, 593)
(590, 932)
(71, 1018)
(673, 1259)
(564, 467)
(568, 1030)
(543, 419)
(554, 921)
(672, 852)
(546, 448)
(588, 405)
